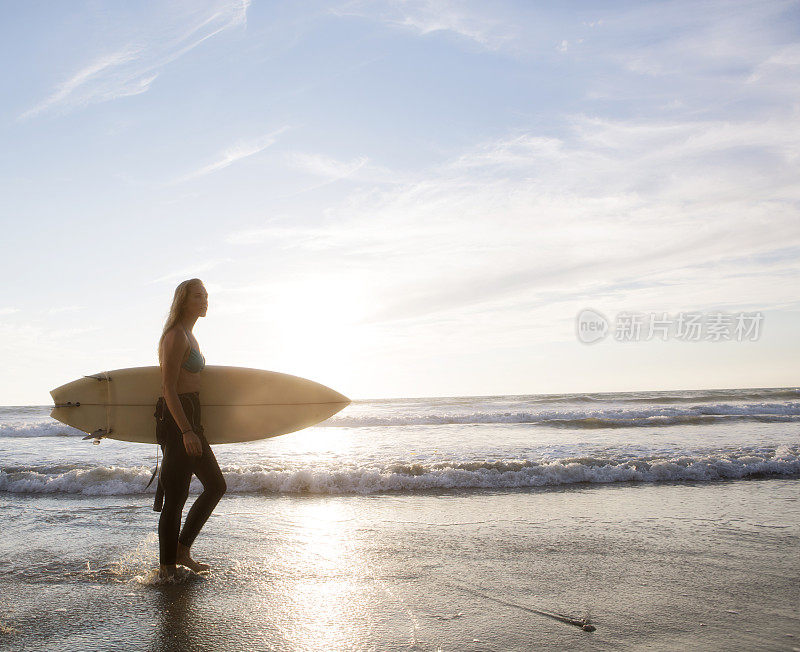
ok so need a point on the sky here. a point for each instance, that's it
(401, 198)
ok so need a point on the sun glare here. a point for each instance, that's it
(319, 323)
(324, 579)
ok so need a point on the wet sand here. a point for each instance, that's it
(705, 566)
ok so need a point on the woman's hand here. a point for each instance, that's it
(192, 443)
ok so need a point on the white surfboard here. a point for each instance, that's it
(236, 403)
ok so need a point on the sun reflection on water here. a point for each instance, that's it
(320, 579)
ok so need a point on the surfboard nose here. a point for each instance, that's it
(326, 394)
(337, 397)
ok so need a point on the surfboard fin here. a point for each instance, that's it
(100, 376)
(97, 435)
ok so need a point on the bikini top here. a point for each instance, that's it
(195, 362)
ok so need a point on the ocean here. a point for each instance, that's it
(664, 520)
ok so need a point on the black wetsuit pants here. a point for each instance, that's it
(176, 475)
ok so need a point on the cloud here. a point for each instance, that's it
(681, 190)
(131, 69)
(325, 166)
(237, 152)
(279, 236)
(687, 208)
(333, 170)
(425, 17)
(62, 309)
(190, 272)
(697, 55)
(90, 84)
(681, 37)
(697, 59)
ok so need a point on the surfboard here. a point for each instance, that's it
(237, 404)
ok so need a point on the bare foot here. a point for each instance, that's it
(185, 559)
(167, 572)
(196, 566)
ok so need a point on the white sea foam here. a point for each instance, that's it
(182, 575)
(431, 475)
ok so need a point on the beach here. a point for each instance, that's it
(356, 536)
(525, 275)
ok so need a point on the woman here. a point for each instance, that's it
(180, 434)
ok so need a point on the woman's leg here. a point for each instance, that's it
(176, 474)
(208, 472)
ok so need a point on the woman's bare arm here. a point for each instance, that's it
(171, 356)
(170, 368)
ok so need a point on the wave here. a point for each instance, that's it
(694, 396)
(680, 420)
(654, 397)
(618, 417)
(51, 428)
(409, 477)
(582, 418)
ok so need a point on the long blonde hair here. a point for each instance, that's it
(176, 310)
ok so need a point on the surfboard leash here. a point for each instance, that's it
(583, 623)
